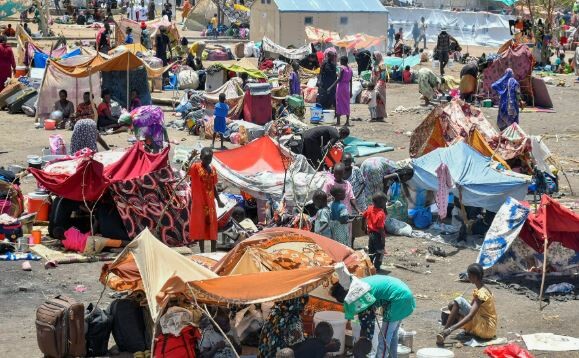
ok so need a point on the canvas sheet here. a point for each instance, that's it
(314, 34)
(468, 28)
(360, 41)
(40, 58)
(402, 62)
(504, 230)
(481, 184)
(361, 148)
(292, 54)
(550, 342)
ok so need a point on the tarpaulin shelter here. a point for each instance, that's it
(153, 26)
(233, 97)
(81, 74)
(517, 57)
(360, 41)
(26, 47)
(316, 35)
(92, 178)
(514, 243)
(146, 264)
(448, 124)
(476, 181)
(258, 168)
(291, 53)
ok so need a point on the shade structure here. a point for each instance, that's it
(91, 178)
(261, 155)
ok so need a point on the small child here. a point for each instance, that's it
(339, 216)
(375, 217)
(219, 124)
(373, 101)
(322, 221)
(407, 75)
(479, 317)
(362, 348)
(319, 345)
(285, 353)
(294, 80)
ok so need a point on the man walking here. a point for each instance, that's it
(443, 49)
(391, 33)
(423, 28)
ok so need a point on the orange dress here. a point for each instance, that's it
(203, 218)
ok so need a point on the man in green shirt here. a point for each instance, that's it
(364, 296)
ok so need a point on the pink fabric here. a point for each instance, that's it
(444, 185)
(75, 240)
(330, 182)
(343, 92)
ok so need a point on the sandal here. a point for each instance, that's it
(440, 339)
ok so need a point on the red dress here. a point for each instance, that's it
(7, 64)
(203, 219)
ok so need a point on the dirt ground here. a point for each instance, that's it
(21, 292)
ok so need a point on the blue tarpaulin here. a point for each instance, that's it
(482, 185)
(40, 58)
(402, 62)
(361, 148)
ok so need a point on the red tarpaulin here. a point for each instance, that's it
(562, 225)
(261, 155)
(91, 179)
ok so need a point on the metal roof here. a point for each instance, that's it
(330, 6)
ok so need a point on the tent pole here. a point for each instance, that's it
(41, 86)
(545, 247)
(128, 77)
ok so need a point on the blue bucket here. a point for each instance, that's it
(316, 113)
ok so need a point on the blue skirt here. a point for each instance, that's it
(219, 125)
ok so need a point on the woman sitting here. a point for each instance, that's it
(479, 317)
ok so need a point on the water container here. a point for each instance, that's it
(406, 338)
(316, 113)
(39, 203)
(329, 116)
(434, 353)
(403, 351)
(356, 328)
(338, 322)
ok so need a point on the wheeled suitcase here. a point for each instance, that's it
(15, 102)
(60, 328)
(10, 90)
(257, 103)
(29, 107)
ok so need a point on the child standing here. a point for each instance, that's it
(294, 80)
(322, 221)
(375, 217)
(339, 216)
(372, 101)
(219, 125)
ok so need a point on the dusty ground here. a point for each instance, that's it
(21, 292)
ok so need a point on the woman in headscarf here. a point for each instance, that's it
(86, 135)
(328, 75)
(374, 170)
(428, 84)
(379, 81)
(509, 91)
(7, 63)
(343, 91)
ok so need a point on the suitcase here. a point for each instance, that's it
(15, 102)
(257, 103)
(9, 91)
(29, 107)
(60, 328)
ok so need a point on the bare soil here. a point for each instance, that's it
(21, 292)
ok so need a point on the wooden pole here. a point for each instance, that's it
(545, 247)
(128, 78)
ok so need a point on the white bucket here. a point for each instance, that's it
(403, 351)
(406, 339)
(329, 116)
(434, 353)
(338, 322)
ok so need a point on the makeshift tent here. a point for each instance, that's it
(506, 251)
(360, 41)
(41, 58)
(244, 67)
(258, 169)
(91, 178)
(26, 47)
(316, 35)
(8, 8)
(292, 54)
(81, 74)
(402, 61)
(448, 124)
(475, 179)
(147, 264)
(517, 57)
(152, 26)
(233, 97)
(200, 15)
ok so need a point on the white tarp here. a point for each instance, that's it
(292, 54)
(469, 28)
(550, 342)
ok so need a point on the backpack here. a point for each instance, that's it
(98, 330)
(182, 346)
(129, 329)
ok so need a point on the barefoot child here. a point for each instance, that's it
(219, 125)
(339, 216)
(375, 219)
(479, 317)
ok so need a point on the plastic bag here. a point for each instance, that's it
(57, 145)
(398, 228)
(511, 350)
(422, 218)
